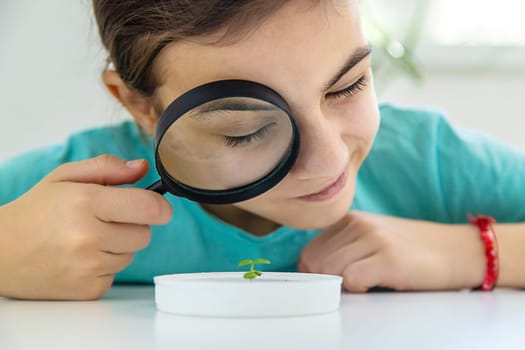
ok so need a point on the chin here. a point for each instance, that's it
(301, 214)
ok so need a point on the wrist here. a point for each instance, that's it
(469, 266)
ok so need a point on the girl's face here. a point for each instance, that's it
(314, 54)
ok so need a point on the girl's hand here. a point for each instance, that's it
(370, 250)
(69, 235)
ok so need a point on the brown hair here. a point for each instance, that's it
(135, 31)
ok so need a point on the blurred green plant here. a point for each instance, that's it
(394, 52)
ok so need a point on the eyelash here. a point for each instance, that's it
(353, 89)
(234, 141)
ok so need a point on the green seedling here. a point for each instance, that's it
(250, 275)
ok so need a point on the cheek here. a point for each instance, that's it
(359, 119)
(269, 205)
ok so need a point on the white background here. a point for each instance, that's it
(51, 60)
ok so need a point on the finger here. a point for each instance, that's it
(332, 230)
(133, 206)
(111, 264)
(103, 170)
(348, 224)
(315, 248)
(357, 228)
(364, 274)
(336, 262)
(346, 236)
(91, 289)
(124, 238)
(301, 267)
(335, 237)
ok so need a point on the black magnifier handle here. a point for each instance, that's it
(157, 187)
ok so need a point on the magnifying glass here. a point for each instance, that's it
(224, 142)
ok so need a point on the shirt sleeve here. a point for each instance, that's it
(423, 167)
(479, 175)
(21, 173)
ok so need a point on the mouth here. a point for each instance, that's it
(329, 191)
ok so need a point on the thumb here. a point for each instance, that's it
(104, 170)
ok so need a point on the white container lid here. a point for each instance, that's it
(228, 294)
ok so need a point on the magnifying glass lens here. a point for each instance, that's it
(226, 143)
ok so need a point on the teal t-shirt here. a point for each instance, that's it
(419, 167)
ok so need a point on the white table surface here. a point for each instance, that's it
(126, 318)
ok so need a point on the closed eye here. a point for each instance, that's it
(352, 90)
(233, 141)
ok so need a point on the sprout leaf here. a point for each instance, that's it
(245, 262)
(261, 261)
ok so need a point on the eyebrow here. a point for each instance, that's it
(203, 112)
(357, 56)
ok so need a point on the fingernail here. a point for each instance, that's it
(134, 163)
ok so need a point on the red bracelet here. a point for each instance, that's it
(488, 237)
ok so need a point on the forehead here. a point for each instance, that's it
(299, 47)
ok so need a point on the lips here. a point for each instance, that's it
(329, 191)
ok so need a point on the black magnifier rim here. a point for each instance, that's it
(210, 92)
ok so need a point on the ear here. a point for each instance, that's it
(138, 105)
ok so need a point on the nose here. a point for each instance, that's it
(323, 153)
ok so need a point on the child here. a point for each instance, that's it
(381, 205)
